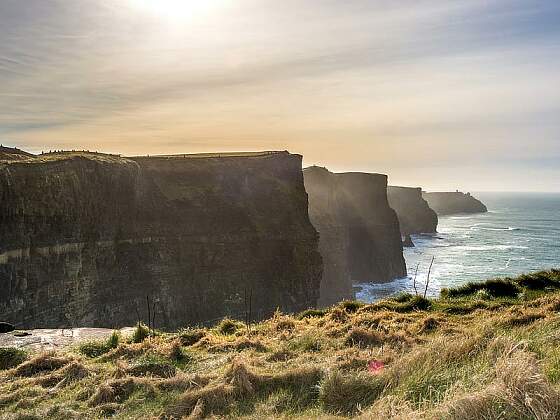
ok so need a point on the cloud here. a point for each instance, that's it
(355, 84)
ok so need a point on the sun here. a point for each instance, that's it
(176, 9)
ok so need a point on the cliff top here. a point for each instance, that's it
(322, 169)
(14, 155)
(449, 193)
(213, 155)
(486, 350)
(399, 188)
(65, 155)
(445, 203)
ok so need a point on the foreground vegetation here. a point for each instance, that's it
(482, 351)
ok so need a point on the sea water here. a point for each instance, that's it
(520, 233)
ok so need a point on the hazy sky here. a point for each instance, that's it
(441, 94)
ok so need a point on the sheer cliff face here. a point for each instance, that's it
(359, 232)
(445, 203)
(415, 216)
(86, 238)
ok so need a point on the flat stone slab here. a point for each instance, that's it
(51, 339)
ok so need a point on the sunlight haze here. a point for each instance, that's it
(440, 94)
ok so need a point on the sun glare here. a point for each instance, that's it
(176, 9)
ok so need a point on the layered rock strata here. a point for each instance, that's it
(89, 239)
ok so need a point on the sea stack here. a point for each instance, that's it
(88, 239)
(446, 203)
(414, 213)
(407, 242)
(359, 233)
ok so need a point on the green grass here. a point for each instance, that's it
(11, 357)
(229, 326)
(141, 332)
(99, 348)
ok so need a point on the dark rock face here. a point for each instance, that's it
(415, 216)
(445, 203)
(85, 238)
(359, 232)
(408, 243)
(6, 327)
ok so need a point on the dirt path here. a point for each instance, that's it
(50, 339)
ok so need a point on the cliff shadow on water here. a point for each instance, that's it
(359, 233)
(87, 237)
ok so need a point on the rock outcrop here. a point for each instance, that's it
(407, 242)
(87, 237)
(359, 233)
(415, 216)
(445, 203)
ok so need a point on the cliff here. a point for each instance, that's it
(415, 216)
(86, 237)
(445, 203)
(359, 232)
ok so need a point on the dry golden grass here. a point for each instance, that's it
(459, 358)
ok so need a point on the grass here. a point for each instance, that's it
(343, 393)
(99, 348)
(141, 332)
(480, 351)
(11, 357)
(494, 288)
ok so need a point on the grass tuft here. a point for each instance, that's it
(351, 306)
(11, 357)
(496, 288)
(540, 281)
(141, 332)
(229, 326)
(99, 348)
(346, 394)
(415, 303)
(312, 313)
(190, 337)
(42, 363)
(364, 338)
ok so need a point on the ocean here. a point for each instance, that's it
(520, 233)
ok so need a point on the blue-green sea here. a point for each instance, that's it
(520, 233)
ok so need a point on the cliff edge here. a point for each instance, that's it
(87, 237)
(359, 233)
(415, 216)
(13, 153)
(445, 203)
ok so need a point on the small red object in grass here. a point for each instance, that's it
(375, 366)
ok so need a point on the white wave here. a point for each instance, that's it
(491, 247)
(493, 228)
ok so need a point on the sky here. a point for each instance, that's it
(440, 94)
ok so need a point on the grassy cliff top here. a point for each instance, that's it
(25, 158)
(484, 350)
(213, 155)
(65, 155)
